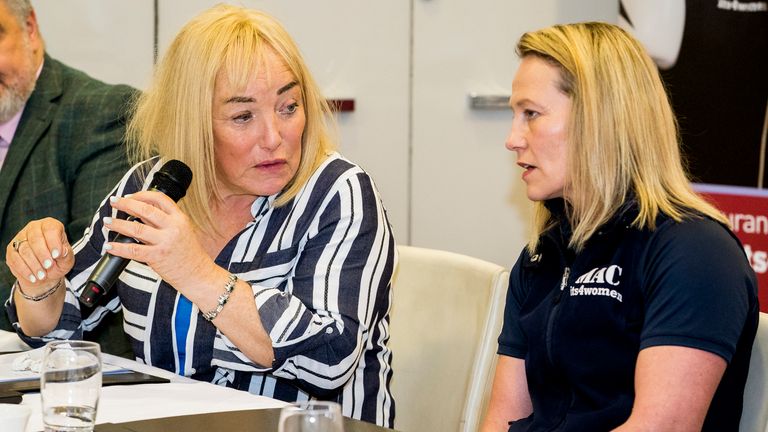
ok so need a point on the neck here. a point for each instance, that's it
(231, 217)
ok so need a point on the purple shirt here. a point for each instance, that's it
(8, 129)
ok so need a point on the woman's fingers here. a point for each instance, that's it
(153, 208)
(134, 229)
(39, 251)
(21, 259)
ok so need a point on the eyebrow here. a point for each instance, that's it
(521, 102)
(287, 87)
(249, 99)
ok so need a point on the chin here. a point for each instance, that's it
(539, 196)
(269, 189)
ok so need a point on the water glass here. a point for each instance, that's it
(311, 416)
(70, 385)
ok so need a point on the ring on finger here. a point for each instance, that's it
(17, 243)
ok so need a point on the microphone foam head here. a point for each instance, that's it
(173, 179)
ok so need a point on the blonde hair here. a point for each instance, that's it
(173, 118)
(623, 136)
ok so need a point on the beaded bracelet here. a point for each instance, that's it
(42, 296)
(223, 298)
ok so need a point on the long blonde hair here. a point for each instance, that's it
(623, 135)
(173, 117)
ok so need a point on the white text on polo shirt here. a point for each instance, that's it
(598, 276)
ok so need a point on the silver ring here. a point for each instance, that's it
(16, 243)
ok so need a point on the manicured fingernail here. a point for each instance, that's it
(112, 199)
(107, 220)
(40, 274)
(55, 253)
(47, 264)
(32, 278)
(108, 247)
(66, 251)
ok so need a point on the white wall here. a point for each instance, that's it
(443, 171)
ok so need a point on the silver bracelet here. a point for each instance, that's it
(223, 298)
(42, 296)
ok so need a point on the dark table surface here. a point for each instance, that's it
(263, 420)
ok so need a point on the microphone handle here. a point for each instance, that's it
(105, 274)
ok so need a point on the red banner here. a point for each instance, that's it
(747, 209)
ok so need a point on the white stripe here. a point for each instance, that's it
(135, 319)
(150, 318)
(134, 332)
(384, 398)
(299, 206)
(255, 385)
(266, 276)
(173, 334)
(358, 382)
(253, 235)
(137, 282)
(269, 386)
(190, 347)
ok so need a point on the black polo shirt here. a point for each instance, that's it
(580, 320)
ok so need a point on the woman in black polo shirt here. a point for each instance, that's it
(633, 306)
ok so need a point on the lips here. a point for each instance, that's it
(271, 163)
(528, 168)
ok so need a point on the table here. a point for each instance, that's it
(182, 404)
(262, 420)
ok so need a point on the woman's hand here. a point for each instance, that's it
(169, 241)
(39, 255)
(171, 246)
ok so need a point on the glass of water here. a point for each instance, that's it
(70, 385)
(311, 416)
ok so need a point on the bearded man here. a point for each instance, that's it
(61, 142)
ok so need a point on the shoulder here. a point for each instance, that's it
(696, 236)
(77, 87)
(337, 173)
(139, 176)
(698, 286)
(700, 254)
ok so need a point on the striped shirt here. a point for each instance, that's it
(320, 269)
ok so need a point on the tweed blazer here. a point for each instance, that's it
(67, 154)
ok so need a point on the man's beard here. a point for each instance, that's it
(14, 95)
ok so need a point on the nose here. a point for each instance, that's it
(271, 137)
(516, 138)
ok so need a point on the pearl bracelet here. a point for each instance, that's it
(223, 298)
(42, 296)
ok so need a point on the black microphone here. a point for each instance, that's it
(173, 179)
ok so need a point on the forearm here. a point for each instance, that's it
(674, 386)
(510, 399)
(38, 318)
(239, 319)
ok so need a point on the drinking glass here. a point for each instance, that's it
(70, 385)
(311, 416)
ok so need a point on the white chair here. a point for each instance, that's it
(754, 416)
(446, 317)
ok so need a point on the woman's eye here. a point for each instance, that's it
(290, 108)
(530, 114)
(242, 117)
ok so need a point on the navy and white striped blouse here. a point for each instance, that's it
(320, 268)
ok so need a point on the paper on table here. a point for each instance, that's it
(147, 401)
(8, 372)
(10, 341)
